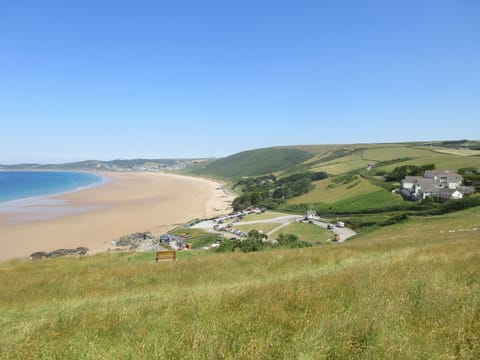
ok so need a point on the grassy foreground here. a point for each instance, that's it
(410, 290)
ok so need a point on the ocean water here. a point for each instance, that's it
(16, 185)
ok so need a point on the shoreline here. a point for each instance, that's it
(92, 217)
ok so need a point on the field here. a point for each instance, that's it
(263, 216)
(457, 151)
(410, 290)
(264, 227)
(342, 165)
(441, 161)
(306, 232)
(383, 153)
(328, 192)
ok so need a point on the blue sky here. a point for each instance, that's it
(172, 79)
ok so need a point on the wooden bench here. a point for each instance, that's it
(166, 255)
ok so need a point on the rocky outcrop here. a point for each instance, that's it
(79, 251)
(144, 241)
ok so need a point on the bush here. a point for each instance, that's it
(227, 245)
(291, 241)
(394, 220)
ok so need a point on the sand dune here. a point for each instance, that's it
(126, 203)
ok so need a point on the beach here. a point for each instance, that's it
(125, 203)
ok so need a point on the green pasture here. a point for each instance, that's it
(328, 192)
(389, 153)
(441, 161)
(368, 201)
(197, 237)
(342, 165)
(264, 227)
(305, 232)
(267, 215)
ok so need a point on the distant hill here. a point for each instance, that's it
(112, 165)
(253, 163)
(339, 159)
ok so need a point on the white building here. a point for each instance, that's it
(441, 185)
(310, 215)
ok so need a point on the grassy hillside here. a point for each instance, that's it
(329, 192)
(253, 163)
(352, 188)
(338, 159)
(406, 291)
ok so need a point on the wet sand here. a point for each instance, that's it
(126, 203)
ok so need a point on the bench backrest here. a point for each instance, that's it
(166, 255)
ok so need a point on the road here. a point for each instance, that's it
(344, 233)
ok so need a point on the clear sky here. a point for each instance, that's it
(174, 79)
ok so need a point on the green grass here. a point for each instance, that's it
(384, 153)
(306, 232)
(406, 291)
(197, 237)
(342, 165)
(328, 192)
(252, 163)
(441, 161)
(265, 227)
(263, 216)
(375, 200)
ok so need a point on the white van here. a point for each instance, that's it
(340, 224)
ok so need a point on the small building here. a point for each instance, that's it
(310, 215)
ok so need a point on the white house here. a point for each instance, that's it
(310, 215)
(441, 185)
(445, 177)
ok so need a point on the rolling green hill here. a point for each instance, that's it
(253, 163)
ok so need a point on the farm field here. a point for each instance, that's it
(457, 151)
(328, 192)
(441, 161)
(263, 227)
(389, 153)
(263, 216)
(343, 164)
(306, 232)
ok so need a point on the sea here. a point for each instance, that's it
(19, 185)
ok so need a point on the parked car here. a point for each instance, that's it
(340, 224)
(330, 226)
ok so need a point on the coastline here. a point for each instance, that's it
(6, 205)
(125, 202)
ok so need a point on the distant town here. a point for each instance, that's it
(113, 165)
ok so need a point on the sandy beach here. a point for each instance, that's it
(126, 203)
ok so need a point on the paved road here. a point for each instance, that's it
(343, 233)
